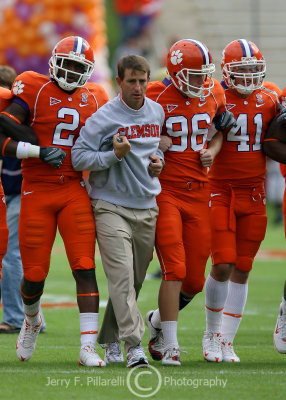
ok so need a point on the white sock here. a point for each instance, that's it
(32, 313)
(233, 309)
(215, 297)
(169, 329)
(156, 319)
(88, 328)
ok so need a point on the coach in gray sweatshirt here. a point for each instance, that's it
(119, 145)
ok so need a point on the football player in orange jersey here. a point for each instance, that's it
(192, 100)
(56, 109)
(8, 147)
(237, 196)
(274, 146)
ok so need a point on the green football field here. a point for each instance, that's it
(53, 373)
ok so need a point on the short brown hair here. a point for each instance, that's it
(7, 76)
(134, 62)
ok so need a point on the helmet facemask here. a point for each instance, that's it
(244, 82)
(57, 65)
(185, 75)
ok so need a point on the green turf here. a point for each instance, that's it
(53, 373)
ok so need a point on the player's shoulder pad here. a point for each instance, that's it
(273, 87)
(28, 79)
(154, 88)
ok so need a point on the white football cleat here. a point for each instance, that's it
(279, 335)
(27, 338)
(113, 353)
(172, 357)
(212, 347)
(228, 354)
(88, 357)
(156, 340)
(136, 357)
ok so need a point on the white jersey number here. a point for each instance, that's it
(240, 133)
(67, 126)
(178, 126)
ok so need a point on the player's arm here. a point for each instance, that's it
(208, 155)
(275, 150)
(274, 145)
(12, 123)
(19, 140)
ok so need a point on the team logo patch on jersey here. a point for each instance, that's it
(84, 98)
(54, 101)
(259, 98)
(230, 106)
(171, 107)
(18, 87)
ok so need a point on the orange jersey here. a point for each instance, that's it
(56, 117)
(241, 158)
(5, 98)
(283, 170)
(187, 121)
(283, 97)
(5, 101)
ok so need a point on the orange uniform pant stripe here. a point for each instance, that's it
(87, 294)
(31, 297)
(233, 315)
(214, 309)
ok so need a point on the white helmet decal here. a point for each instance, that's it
(176, 57)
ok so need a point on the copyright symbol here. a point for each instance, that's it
(137, 377)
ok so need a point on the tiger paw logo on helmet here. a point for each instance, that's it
(176, 57)
(18, 87)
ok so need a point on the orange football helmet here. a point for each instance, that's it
(72, 48)
(243, 66)
(190, 68)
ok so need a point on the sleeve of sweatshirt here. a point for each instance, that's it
(86, 154)
(159, 152)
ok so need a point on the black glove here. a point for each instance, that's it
(52, 155)
(281, 118)
(224, 120)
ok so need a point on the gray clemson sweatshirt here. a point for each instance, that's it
(124, 182)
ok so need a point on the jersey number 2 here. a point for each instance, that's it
(67, 126)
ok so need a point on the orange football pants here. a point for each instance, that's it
(4, 231)
(238, 223)
(44, 208)
(183, 235)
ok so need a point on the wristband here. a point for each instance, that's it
(27, 150)
(163, 163)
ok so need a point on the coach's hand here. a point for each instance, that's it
(156, 166)
(121, 146)
(52, 155)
